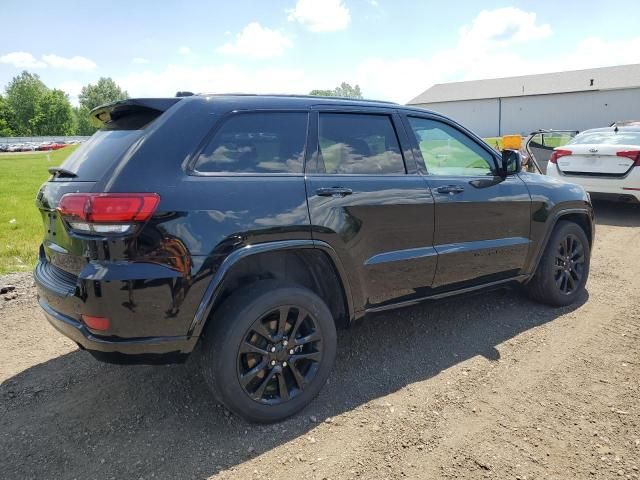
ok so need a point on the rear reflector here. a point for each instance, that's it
(107, 212)
(559, 153)
(96, 323)
(633, 155)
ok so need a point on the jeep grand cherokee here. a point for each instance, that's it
(247, 228)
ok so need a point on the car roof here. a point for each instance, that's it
(217, 102)
(612, 129)
(300, 101)
(244, 100)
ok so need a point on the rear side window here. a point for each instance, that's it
(261, 142)
(358, 144)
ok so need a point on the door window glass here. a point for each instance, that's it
(358, 144)
(447, 151)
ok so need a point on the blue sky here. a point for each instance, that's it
(394, 49)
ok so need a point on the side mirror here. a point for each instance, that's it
(511, 162)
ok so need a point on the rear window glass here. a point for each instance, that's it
(608, 137)
(97, 155)
(264, 142)
(93, 159)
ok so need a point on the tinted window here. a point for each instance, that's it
(622, 137)
(92, 159)
(355, 143)
(447, 151)
(257, 142)
(95, 156)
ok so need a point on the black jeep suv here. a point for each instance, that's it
(247, 228)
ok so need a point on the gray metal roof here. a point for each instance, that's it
(605, 78)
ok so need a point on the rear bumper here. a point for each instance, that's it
(142, 350)
(136, 334)
(613, 188)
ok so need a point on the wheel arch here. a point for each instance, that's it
(312, 264)
(580, 216)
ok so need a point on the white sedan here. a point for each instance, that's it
(605, 161)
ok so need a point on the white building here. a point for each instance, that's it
(574, 100)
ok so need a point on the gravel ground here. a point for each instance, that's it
(487, 386)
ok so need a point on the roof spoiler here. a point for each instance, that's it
(103, 114)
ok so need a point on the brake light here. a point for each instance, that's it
(107, 212)
(559, 153)
(633, 155)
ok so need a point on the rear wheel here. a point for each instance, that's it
(564, 267)
(269, 350)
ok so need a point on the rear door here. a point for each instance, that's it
(368, 203)
(482, 220)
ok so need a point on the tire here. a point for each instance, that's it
(247, 382)
(557, 281)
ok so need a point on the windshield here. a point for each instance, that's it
(608, 137)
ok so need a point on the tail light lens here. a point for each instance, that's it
(633, 155)
(559, 153)
(104, 213)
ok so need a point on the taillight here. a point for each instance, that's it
(633, 155)
(100, 213)
(559, 153)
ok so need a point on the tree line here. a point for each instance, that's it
(30, 108)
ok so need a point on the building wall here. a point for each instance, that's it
(564, 111)
(479, 116)
(569, 111)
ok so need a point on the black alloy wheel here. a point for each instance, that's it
(268, 350)
(280, 355)
(563, 269)
(569, 264)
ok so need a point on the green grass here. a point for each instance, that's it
(495, 142)
(21, 176)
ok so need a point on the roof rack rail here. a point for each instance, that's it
(184, 94)
(286, 95)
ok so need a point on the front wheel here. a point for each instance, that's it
(564, 267)
(268, 350)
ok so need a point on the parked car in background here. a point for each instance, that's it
(51, 145)
(248, 229)
(626, 123)
(605, 161)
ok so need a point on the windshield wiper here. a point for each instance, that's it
(60, 172)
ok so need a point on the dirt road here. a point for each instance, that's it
(490, 386)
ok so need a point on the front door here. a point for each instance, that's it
(373, 210)
(482, 220)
